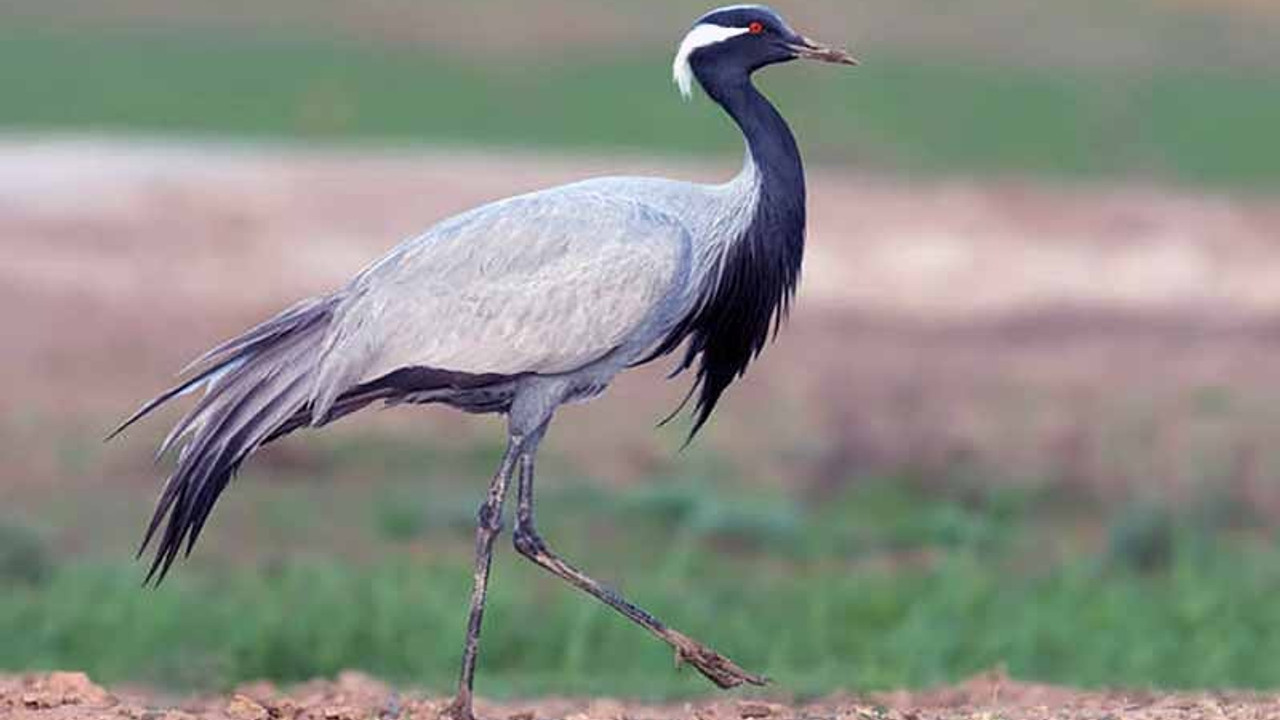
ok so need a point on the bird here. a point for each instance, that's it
(523, 305)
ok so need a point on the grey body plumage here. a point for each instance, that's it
(523, 305)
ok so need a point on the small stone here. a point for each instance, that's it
(243, 707)
(261, 692)
(342, 712)
(66, 688)
(356, 683)
(392, 707)
(756, 710)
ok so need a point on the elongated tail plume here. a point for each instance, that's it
(253, 386)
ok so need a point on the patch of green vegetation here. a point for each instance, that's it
(25, 557)
(881, 587)
(1199, 126)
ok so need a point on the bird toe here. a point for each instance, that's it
(715, 667)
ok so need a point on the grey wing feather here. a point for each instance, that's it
(544, 283)
(252, 386)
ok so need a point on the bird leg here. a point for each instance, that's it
(488, 525)
(715, 667)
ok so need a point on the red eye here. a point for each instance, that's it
(755, 28)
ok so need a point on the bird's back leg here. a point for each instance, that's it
(488, 525)
(714, 666)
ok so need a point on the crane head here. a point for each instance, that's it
(732, 42)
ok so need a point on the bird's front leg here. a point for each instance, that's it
(715, 667)
(488, 526)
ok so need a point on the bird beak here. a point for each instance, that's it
(810, 50)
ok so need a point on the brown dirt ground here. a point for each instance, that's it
(353, 696)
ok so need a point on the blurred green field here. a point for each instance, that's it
(881, 585)
(1202, 125)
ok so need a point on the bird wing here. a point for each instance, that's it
(543, 283)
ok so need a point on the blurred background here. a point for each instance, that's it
(1023, 417)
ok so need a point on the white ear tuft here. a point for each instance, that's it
(699, 37)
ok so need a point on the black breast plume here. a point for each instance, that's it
(743, 307)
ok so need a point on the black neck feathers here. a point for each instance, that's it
(743, 305)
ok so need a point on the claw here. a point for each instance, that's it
(715, 667)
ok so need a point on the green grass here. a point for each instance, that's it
(1191, 125)
(879, 587)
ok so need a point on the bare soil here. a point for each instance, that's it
(353, 696)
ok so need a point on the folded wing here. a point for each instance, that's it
(544, 283)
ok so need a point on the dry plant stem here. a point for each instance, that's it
(488, 525)
(714, 666)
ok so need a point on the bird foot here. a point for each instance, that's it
(459, 709)
(715, 667)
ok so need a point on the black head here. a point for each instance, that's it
(727, 45)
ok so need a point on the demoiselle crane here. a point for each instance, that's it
(523, 305)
